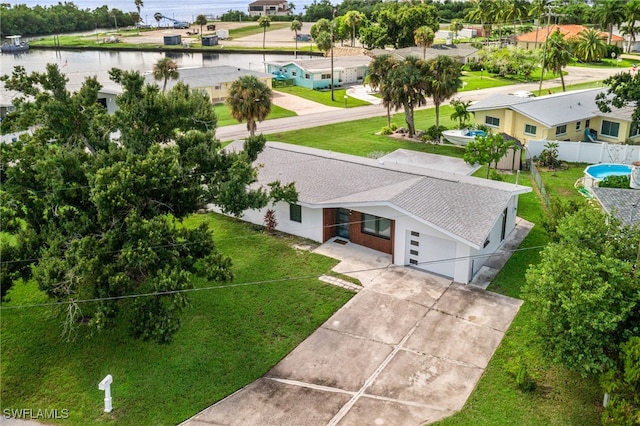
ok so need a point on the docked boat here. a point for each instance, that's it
(14, 44)
(462, 136)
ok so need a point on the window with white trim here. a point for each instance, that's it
(610, 128)
(561, 130)
(530, 129)
(325, 76)
(492, 121)
(634, 129)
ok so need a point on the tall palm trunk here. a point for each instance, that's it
(408, 118)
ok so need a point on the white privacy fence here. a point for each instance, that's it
(589, 152)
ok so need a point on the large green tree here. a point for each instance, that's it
(608, 14)
(295, 27)
(442, 78)
(250, 101)
(165, 69)
(201, 20)
(586, 290)
(264, 22)
(353, 19)
(404, 87)
(379, 69)
(557, 55)
(96, 221)
(590, 46)
(424, 37)
(623, 385)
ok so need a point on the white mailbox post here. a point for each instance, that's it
(105, 385)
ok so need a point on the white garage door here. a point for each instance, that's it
(430, 253)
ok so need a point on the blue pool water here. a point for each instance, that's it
(601, 171)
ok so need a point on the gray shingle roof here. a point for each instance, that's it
(552, 110)
(623, 203)
(462, 206)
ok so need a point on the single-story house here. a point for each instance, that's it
(216, 81)
(316, 73)
(269, 8)
(536, 39)
(623, 203)
(562, 116)
(441, 222)
(461, 52)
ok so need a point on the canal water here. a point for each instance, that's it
(83, 62)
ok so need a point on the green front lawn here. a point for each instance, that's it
(225, 119)
(324, 97)
(257, 29)
(230, 336)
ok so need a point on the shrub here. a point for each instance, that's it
(393, 127)
(270, 221)
(615, 182)
(494, 175)
(386, 131)
(433, 133)
(518, 369)
(549, 156)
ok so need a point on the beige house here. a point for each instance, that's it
(569, 116)
(216, 81)
(536, 39)
(269, 8)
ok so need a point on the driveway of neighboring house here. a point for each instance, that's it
(407, 349)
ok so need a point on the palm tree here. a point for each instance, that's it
(264, 22)
(323, 41)
(557, 54)
(165, 69)
(590, 46)
(202, 21)
(456, 26)
(404, 88)
(138, 4)
(482, 12)
(424, 36)
(157, 16)
(378, 72)
(515, 10)
(353, 19)
(460, 112)
(609, 13)
(632, 12)
(296, 26)
(537, 9)
(250, 101)
(442, 81)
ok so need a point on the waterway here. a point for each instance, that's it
(179, 10)
(90, 61)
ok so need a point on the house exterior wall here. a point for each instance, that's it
(219, 92)
(310, 227)
(356, 235)
(280, 9)
(516, 125)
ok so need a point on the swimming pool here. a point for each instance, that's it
(596, 172)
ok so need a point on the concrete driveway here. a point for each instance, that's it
(407, 349)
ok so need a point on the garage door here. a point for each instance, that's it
(430, 253)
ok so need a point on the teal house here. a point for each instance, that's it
(316, 73)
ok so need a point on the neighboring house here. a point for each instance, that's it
(562, 116)
(461, 52)
(622, 203)
(316, 73)
(269, 8)
(216, 81)
(440, 222)
(536, 39)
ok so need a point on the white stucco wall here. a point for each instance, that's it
(310, 227)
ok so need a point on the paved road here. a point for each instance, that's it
(338, 115)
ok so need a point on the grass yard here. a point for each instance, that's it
(225, 119)
(257, 29)
(341, 137)
(229, 337)
(324, 97)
